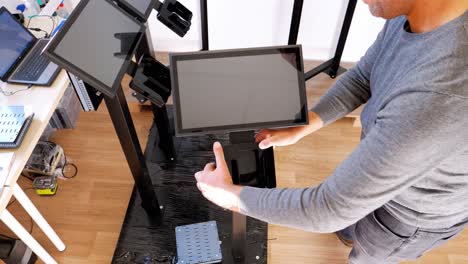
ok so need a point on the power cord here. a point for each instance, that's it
(7, 93)
(51, 18)
(69, 164)
(39, 30)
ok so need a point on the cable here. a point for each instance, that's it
(51, 18)
(6, 93)
(39, 29)
(69, 164)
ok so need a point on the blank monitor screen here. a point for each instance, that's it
(96, 44)
(239, 89)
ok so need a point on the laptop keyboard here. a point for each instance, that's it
(32, 69)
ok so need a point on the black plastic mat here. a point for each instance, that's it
(141, 241)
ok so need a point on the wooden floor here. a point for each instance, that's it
(88, 211)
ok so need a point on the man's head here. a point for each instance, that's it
(389, 8)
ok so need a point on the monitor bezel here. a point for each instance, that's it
(49, 51)
(176, 57)
(12, 68)
(131, 9)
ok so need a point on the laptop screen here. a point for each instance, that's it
(15, 39)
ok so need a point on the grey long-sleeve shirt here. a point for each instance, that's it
(413, 157)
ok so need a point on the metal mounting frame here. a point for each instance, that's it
(331, 67)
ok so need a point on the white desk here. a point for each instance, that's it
(43, 100)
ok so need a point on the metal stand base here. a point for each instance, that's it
(198, 243)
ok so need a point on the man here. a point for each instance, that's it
(404, 190)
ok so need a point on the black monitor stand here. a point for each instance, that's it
(151, 80)
(157, 91)
(249, 166)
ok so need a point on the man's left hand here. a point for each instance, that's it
(215, 182)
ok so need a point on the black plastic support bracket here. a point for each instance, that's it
(175, 16)
(152, 80)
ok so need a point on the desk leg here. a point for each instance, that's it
(22, 234)
(37, 216)
(123, 125)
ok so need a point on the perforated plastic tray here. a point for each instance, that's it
(198, 243)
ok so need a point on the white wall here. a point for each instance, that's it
(244, 23)
(166, 40)
(363, 32)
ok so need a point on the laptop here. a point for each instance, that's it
(20, 54)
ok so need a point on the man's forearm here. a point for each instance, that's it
(348, 93)
(315, 123)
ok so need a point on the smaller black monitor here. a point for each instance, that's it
(96, 43)
(138, 8)
(238, 90)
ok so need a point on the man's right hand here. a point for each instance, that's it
(288, 136)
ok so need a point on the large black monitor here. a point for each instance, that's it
(139, 8)
(96, 43)
(236, 90)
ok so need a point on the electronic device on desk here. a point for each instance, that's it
(103, 64)
(239, 91)
(14, 123)
(89, 97)
(21, 59)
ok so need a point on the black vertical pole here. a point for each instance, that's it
(164, 142)
(295, 21)
(123, 125)
(204, 24)
(335, 68)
